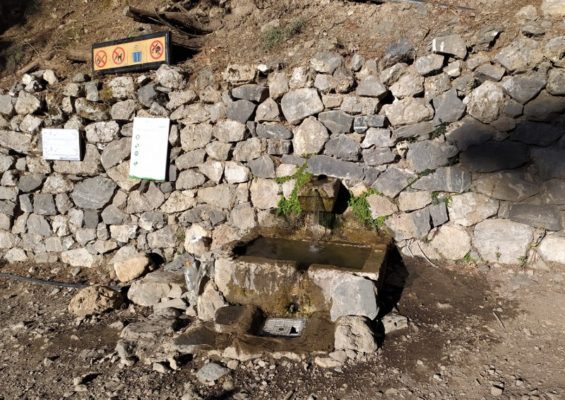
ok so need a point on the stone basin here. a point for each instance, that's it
(289, 278)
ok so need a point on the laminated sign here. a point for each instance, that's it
(149, 146)
(132, 54)
(60, 144)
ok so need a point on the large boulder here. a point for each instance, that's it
(353, 333)
(502, 241)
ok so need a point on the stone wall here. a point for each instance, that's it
(465, 146)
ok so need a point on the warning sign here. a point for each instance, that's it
(132, 54)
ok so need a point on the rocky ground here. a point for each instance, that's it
(473, 334)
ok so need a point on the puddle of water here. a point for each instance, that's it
(307, 253)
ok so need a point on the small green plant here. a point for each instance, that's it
(498, 254)
(274, 36)
(523, 260)
(360, 208)
(291, 206)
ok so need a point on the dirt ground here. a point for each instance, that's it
(31, 30)
(474, 334)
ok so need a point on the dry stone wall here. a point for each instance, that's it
(465, 147)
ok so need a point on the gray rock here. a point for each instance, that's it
(30, 182)
(93, 193)
(452, 242)
(554, 50)
(537, 133)
(549, 162)
(451, 45)
(6, 105)
(378, 156)
(251, 92)
(324, 165)
(115, 152)
(409, 84)
(468, 209)
(262, 167)
(123, 110)
(210, 373)
(248, 150)
(310, 137)
(209, 301)
(539, 216)
(552, 249)
(268, 111)
(212, 169)
(408, 111)
(359, 105)
(301, 103)
(162, 239)
(150, 289)
(169, 77)
(278, 84)
(380, 206)
(344, 147)
(180, 98)
(190, 159)
(553, 8)
(399, 51)
(520, 55)
(524, 87)
(354, 296)
(38, 225)
(30, 124)
(102, 132)
(230, 131)
(421, 130)
(241, 110)
(489, 72)
(545, 107)
(415, 225)
(264, 193)
(411, 201)
(429, 64)
(196, 136)
(371, 86)
(392, 74)
(362, 123)
(19, 142)
(438, 214)
(236, 173)
(393, 181)
(189, 179)
(121, 87)
(502, 241)
(447, 179)
(273, 131)
(556, 82)
(112, 215)
(220, 196)
(448, 106)
(44, 204)
(486, 102)
(27, 103)
(326, 62)
(555, 191)
(147, 94)
(91, 91)
(354, 334)
(336, 121)
(90, 110)
(509, 186)
(429, 155)
(494, 156)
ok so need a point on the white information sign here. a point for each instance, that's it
(149, 145)
(60, 144)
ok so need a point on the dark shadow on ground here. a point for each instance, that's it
(13, 13)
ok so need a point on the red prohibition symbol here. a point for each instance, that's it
(100, 58)
(156, 49)
(118, 55)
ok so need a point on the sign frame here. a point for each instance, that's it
(165, 35)
(70, 138)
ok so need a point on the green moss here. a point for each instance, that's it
(360, 208)
(439, 131)
(291, 206)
